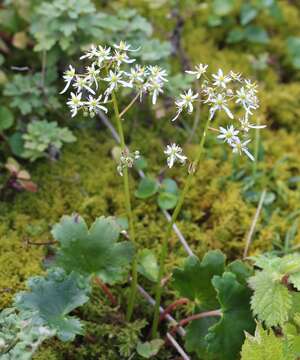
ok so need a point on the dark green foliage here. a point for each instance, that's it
(93, 251)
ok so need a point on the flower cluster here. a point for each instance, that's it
(127, 160)
(224, 93)
(109, 70)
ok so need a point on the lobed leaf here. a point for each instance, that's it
(194, 279)
(227, 335)
(52, 298)
(93, 251)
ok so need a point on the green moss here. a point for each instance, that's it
(216, 214)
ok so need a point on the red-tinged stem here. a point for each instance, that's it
(172, 306)
(106, 291)
(187, 320)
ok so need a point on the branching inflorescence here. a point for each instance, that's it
(112, 69)
(222, 93)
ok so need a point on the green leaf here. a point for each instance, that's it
(234, 36)
(264, 345)
(140, 163)
(292, 337)
(214, 20)
(289, 264)
(6, 118)
(248, 13)
(167, 200)
(227, 335)
(93, 251)
(293, 49)
(122, 222)
(149, 348)
(241, 270)
(295, 280)
(170, 186)
(222, 7)
(196, 331)
(16, 144)
(256, 34)
(147, 264)
(41, 136)
(147, 188)
(271, 300)
(52, 298)
(194, 279)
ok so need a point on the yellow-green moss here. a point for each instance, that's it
(215, 214)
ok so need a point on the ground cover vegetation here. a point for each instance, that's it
(149, 157)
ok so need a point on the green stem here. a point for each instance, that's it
(256, 150)
(133, 288)
(175, 214)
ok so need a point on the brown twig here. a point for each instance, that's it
(187, 320)
(213, 129)
(129, 105)
(106, 291)
(28, 242)
(172, 306)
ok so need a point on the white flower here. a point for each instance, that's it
(92, 74)
(122, 57)
(68, 77)
(179, 111)
(229, 135)
(75, 103)
(136, 74)
(174, 153)
(123, 46)
(114, 79)
(241, 147)
(199, 70)
(219, 103)
(220, 79)
(251, 86)
(247, 99)
(187, 100)
(94, 104)
(157, 73)
(246, 125)
(155, 88)
(82, 83)
(103, 54)
(243, 97)
(236, 76)
(92, 53)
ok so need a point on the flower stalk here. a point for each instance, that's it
(133, 289)
(175, 214)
